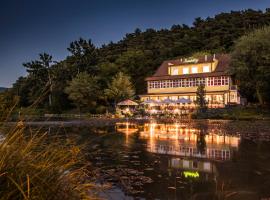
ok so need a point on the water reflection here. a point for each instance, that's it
(193, 151)
(177, 140)
(196, 161)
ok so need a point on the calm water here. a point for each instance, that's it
(199, 160)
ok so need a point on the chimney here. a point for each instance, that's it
(205, 58)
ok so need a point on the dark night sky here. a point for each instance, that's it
(29, 27)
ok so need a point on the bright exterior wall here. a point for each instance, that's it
(188, 85)
(186, 90)
(179, 69)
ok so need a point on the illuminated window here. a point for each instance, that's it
(185, 163)
(185, 70)
(207, 166)
(194, 70)
(174, 71)
(206, 69)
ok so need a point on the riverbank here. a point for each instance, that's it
(254, 127)
(235, 113)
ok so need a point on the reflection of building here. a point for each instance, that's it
(192, 165)
(174, 140)
(179, 79)
(126, 127)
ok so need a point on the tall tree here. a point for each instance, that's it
(200, 98)
(120, 88)
(40, 75)
(137, 65)
(251, 65)
(84, 56)
(83, 90)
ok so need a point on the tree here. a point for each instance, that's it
(200, 98)
(40, 75)
(8, 102)
(250, 65)
(83, 90)
(137, 65)
(120, 88)
(84, 56)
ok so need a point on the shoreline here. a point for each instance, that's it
(112, 121)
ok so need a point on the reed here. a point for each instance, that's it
(35, 166)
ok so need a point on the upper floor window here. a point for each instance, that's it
(206, 68)
(185, 70)
(174, 71)
(194, 70)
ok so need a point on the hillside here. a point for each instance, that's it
(138, 55)
(2, 89)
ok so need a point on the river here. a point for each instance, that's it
(191, 160)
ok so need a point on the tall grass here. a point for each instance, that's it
(34, 165)
(31, 167)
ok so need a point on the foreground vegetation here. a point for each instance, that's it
(31, 167)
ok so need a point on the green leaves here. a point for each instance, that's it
(200, 98)
(120, 88)
(83, 90)
(251, 65)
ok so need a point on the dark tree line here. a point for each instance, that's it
(137, 55)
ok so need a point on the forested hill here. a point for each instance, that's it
(144, 51)
(138, 55)
(2, 89)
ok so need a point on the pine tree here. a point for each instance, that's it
(200, 98)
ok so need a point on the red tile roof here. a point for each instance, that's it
(222, 66)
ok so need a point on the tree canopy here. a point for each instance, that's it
(251, 65)
(120, 88)
(82, 90)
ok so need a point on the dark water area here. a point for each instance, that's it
(198, 160)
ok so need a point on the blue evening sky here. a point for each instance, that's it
(29, 27)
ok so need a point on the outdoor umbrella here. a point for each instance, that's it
(168, 101)
(149, 101)
(183, 100)
(127, 103)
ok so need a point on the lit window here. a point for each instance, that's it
(207, 166)
(206, 69)
(194, 70)
(185, 163)
(185, 70)
(174, 71)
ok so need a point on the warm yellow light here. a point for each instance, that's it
(191, 174)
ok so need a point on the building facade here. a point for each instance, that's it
(180, 78)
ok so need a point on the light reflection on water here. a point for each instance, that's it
(174, 139)
(199, 160)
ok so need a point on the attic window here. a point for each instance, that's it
(194, 70)
(206, 68)
(174, 71)
(185, 70)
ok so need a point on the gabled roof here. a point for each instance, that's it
(222, 66)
